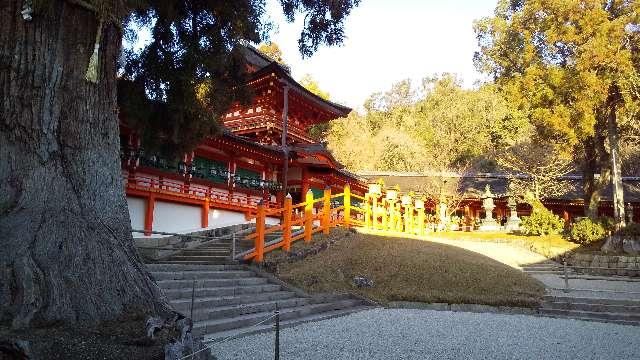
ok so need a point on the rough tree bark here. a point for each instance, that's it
(614, 150)
(596, 162)
(67, 253)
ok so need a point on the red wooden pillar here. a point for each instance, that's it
(205, 214)
(304, 181)
(148, 216)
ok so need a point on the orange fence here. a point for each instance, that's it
(374, 210)
(309, 217)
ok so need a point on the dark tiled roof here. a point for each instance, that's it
(474, 184)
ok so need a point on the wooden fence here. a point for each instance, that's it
(301, 221)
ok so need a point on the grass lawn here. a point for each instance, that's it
(549, 246)
(404, 270)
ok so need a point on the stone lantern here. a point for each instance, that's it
(513, 224)
(375, 188)
(488, 223)
(629, 212)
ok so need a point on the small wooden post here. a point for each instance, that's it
(286, 223)
(259, 241)
(421, 216)
(384, 214)
(367, 211)
(408, 219)
(308, 216)
(399, 222)
(374, 212)
(347, 206)
(326, 211)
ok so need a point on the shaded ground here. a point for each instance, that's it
(111, 340)
(423, 334)
(598, 287)
(404, 270)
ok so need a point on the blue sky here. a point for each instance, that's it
(388, 41)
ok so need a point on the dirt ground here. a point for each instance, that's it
(110, 340)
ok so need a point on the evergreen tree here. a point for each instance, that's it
(67, 251)
(572, 66)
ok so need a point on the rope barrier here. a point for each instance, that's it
(223, 340)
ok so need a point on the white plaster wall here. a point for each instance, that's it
(172, 217)
(271, 221)
(220, 218)
(137, 207)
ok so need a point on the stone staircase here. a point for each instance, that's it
(590, 305)
(232, 300)
(546, 267)
(617, 311)
(214, 252)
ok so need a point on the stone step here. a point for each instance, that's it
(592, 314)
(228, 261)
(592, 300)
(186, 275)
(209, 283)
(609, 321)
(231, 311)
(165, 267)
(549, 272)
(591, 307)
(199, 257)
(175, 294)
(217, 325)
(252, 330)
(542, 267)
(206, 252)
(213, 302)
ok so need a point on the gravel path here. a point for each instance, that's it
(425, 334)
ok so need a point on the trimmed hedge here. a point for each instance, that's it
(541, 222)
(587, 231)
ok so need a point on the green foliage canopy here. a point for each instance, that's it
(441, 127)
(177, 87)
(561, 60)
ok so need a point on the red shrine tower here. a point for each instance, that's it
(224, 178)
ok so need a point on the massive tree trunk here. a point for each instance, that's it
(614, 150)
(596, 162)
(67, 253)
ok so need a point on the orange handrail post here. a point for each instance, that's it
(399, 222)
(308, 216)
(347, 206)
(408, 219)
(421, 225)
(326, 211)
(286, 224)
(384, 214)
(374, 218)
(259, 241)
(367, 211)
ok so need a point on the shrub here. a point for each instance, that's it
(541, 222)
(631, 230)
(607, 222)
(587, 231)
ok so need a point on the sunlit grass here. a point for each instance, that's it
(406, 270)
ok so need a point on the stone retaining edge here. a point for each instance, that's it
(475, 308)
